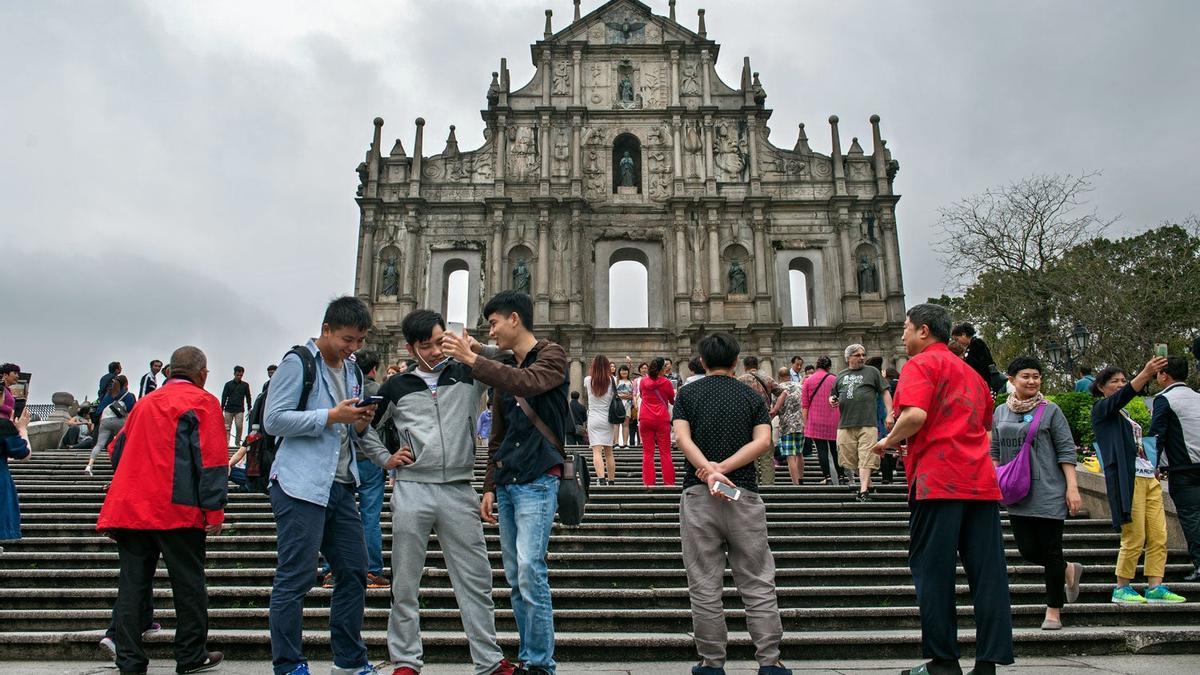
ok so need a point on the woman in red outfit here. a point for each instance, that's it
(654, 422)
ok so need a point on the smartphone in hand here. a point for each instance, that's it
(456, 327)
(369, 401)
(728, 490)
(1160, 349)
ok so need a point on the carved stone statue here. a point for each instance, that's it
(868, 276)
(520, 277)
(625, 30)
(760, 94)
(626, 166)
(625, 90)
(391, 278)
(562, 78)
(689, 84)
(737, 278)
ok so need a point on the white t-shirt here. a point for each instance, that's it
(431, 379)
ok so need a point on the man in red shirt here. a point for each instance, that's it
(168, 492)
(944, 410)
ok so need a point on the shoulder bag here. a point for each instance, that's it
(1014, 477)
(616, 408)
(574, 487)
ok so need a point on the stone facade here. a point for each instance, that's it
(626, 145)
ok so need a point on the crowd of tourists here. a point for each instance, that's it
(326, 437)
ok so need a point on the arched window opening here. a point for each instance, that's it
(456, 296)
(801, 291)
(628, 293)
(456, 277)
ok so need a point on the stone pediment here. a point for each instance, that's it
(624, 22)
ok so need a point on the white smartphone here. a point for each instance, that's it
(728, 490)
(455, 327)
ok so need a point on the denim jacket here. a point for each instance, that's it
(306, 460)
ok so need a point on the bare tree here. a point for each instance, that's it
(1017, 228)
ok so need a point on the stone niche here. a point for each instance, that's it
(650, 255)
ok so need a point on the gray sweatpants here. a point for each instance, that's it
(108, 428)
(708, 525)
(452, 511)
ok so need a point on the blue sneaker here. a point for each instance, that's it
(1124, 595)
(301, 669)
(1162, 594)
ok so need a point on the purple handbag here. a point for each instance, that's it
(1014, 477)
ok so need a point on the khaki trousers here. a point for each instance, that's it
(714, 532)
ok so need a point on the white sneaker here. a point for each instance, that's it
(109, 646)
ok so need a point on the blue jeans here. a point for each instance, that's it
(526, 516)
(303, 530)
(370, 505)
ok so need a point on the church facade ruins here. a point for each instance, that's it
(626, 146)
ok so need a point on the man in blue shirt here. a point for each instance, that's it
(1084, 383)
(313, 480)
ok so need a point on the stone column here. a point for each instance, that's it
(576, 382)
(752, 134)
(576, 159)
(576, 74)
(544, 152)
(542, 282)
(501, 152)
(705, 67)
(698, 264)
(576, 280)
(675, 81)
(366, 283)
(710, 176)
(849, 287)
(881, 182)
(372, 186)
(414, 178)
(547, 66)
(497, 260)
(760, 256)
(677, 138)
(714, 258)
(412, 231)
(839, 170)
(562, 269)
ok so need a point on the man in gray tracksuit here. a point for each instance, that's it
(434, 407)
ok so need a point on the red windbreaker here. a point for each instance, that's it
(172, 463)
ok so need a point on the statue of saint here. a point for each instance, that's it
(625, 90)
(627, 177)
(391, 278)
(737, 278)
(520, 277)
(868, 277)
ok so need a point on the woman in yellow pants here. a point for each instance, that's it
(1134, 493)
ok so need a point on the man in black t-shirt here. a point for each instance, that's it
(235, 400)
(721, 426)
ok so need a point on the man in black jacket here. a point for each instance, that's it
(235, 399)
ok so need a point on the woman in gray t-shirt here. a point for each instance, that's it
(1037, 520)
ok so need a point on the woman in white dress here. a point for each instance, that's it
(599, 387)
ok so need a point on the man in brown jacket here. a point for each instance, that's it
(524, 464)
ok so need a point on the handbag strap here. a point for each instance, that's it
(539, 424)
(1033, 427)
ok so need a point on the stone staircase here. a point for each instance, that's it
(620, 592)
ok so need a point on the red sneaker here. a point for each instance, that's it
(404, 670)
(505, 668)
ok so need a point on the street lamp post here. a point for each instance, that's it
(1063, 357)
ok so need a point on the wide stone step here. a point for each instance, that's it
(450, 646)
(795, 619)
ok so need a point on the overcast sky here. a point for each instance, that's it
(183, 172)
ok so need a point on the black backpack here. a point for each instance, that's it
(309, 363)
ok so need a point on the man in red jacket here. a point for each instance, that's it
(168, 492)
(945, 413)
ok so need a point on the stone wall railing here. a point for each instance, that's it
(45, 435)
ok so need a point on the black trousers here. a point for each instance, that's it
(183, 552)
(942, 531)
(826, 455)
(1040, 542)
(1187, 504)
(887, 466)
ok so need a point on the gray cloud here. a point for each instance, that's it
(207, 152)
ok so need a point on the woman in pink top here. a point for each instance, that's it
(654, 419)
(821, 419)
